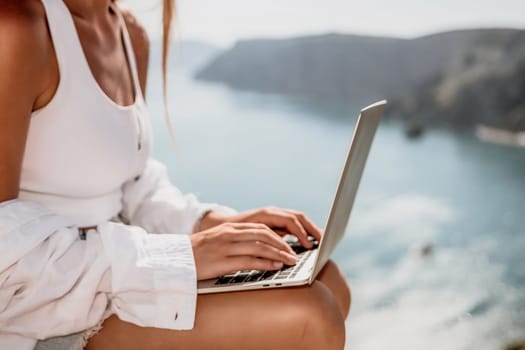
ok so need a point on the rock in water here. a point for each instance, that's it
(414, 130)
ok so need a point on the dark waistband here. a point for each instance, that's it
(82, 231)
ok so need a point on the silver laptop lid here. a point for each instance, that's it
(364, 133)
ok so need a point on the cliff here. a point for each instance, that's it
(460, 78)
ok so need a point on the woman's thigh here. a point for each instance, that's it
(288, 318)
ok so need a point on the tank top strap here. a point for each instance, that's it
(63, 33)
(130, 53)
(72, 62)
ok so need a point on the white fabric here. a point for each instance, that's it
(153, 203)
(81, 147)
(86, 162)
(52, 283)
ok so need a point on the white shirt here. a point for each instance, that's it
(53, 283)
(86, 162)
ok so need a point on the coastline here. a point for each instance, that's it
(500, 136)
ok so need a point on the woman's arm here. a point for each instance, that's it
(153, 203)
(51, 282)
(281, 221)
(26, 84)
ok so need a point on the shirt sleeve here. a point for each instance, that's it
(152, 202)
(153, 277)
(53, 283)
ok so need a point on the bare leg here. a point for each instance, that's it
(287, 318)
(334, 279)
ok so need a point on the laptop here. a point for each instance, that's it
(310, 262)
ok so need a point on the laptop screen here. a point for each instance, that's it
(350, 178)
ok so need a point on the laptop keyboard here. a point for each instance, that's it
(257, 275)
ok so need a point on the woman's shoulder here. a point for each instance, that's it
(23, 29)
(26, 50)
(22, 16)
(136, 30)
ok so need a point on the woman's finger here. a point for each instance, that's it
(282, 219)
(263, 235)
(249, 225)
(312, 229)
(281, 232)
(259, 249)
(240, 263)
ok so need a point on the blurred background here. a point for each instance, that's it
(264, 98)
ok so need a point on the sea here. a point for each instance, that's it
(435, 247)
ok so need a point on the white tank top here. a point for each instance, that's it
(83, 146)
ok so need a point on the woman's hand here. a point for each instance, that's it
(281, 221)
(231, 247)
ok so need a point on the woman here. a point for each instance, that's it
(74, 146)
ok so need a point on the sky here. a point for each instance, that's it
(222, 22)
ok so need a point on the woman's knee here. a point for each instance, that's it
(343, 289)
(334, 279)
(322, 324)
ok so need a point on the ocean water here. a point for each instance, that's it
(462, 197)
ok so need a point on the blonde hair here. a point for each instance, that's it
(168, 11)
